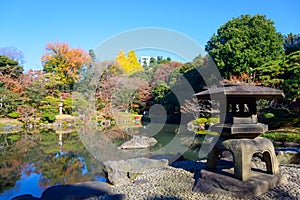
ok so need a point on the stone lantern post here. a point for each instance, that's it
(61, 104)
(239, 134)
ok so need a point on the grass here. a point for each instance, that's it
(283, 136)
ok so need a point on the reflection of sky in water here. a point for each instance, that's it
(99, 178)
(29, 181)
(28, 184)
(84, 167)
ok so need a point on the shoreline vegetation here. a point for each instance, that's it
(284, 137)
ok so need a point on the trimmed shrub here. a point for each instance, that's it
(199, 121)
(13, 115)
(48, 113)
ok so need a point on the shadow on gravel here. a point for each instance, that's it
(164, 198)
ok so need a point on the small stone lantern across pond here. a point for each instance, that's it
(240, 130)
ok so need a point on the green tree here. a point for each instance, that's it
(291, 43)
(10, 67)
(245, 43)
(160, 91)
(9, 101)
(49, 108)
(35, 90)
(161, 60)
(283, 74)
(13, 53)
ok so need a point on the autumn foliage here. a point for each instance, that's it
(64, 61)
(130, 63)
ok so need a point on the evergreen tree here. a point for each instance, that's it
(245, 43)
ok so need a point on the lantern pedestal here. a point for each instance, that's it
(222, 181)
(242, 151)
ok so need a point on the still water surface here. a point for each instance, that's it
(32, 161)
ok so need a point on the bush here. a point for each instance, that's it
(13, 115)
(269, 115)
(278, 118)
(75, 114)
(199, 121)
(48, 117)
(48, 113)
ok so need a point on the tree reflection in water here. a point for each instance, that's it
(39, 153)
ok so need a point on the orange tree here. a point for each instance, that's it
(65, 62)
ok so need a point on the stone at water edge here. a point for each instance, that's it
(121, 172)
(138, 142)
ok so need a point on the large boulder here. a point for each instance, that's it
(124, 171)
(219, 182)
(76, 191)
(138, 142)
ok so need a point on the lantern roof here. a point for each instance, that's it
(241, 91)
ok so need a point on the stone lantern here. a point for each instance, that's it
(240, 129)
(61, 104)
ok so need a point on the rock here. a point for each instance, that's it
(138, 142)
(123, 171)
(291, 144)
(117, 177)
(288, 157)
(217, 183)
(76, 191)
(25, 197)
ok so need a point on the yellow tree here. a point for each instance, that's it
(122, 60)
(130, 64)
(65, 62)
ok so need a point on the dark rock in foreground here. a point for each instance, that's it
(25, 197)
(76, 191)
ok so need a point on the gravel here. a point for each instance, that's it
(176, 182)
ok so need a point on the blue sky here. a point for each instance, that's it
(29, 24)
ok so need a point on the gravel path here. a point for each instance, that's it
(176, 182)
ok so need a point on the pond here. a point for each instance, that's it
(31, 161)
